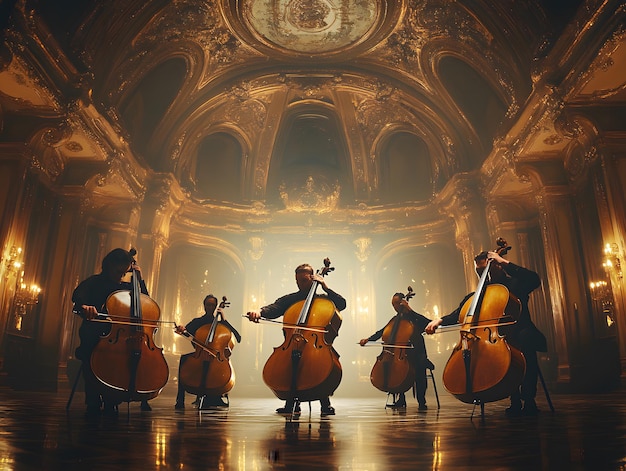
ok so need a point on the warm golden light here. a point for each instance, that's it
(612, 262)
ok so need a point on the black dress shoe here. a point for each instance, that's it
(288, 410)
(530, 409)
(422, 406)
(330, 410)
(214, 401)
(399, 404)
(179, 406)
(513, 411)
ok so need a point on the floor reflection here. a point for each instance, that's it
(585, 432)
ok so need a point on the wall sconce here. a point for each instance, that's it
(612, 262)
(25, 297)
(601, 292)
(12, 262)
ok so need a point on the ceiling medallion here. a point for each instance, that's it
(311, 26)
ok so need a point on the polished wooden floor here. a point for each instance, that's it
(585, 432)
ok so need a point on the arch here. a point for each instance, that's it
(405, 168)
(218, 168)
(476, 98)
(310, 143)
(147, 104)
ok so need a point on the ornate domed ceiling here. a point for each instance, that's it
(367, 98)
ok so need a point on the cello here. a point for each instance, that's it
(126, 362)
(393, 371)
(305, 367)
(208, 372)
(483, 367)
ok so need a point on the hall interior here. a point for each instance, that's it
(229, 141)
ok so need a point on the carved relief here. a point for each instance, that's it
(318, 197)
(569, 128)
(373, 117)
(247, 114)
(257, 248)
(200, 22)
(363, 250)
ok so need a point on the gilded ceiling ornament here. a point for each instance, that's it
(198, 21)
(161, 192)
(363, 250)
(74, 146)
(374, 116)
(314, 197)
(552, 139)
(569, 128)
(311, 26)
(249, 114)
(257, 248)
(55, 136)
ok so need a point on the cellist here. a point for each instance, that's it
(305, 276)
(522, 334)
(210, 305)
(417, 355)
(89, 300)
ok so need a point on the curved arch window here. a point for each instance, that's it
(218, 168)
(310, 144)
(480, 104)
(147, 105)
(406, 171)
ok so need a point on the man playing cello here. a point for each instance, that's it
(523, 334)
(305, 277)
(416, 355)
(210, 305)
(89, 299)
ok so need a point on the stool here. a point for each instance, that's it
(545, 389)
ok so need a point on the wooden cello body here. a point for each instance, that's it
(208, 371)
(127, 362)
(393, 371)
(306, 366)
(483, 367)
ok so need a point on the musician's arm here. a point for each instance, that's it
(82, 298)
(278, 307)
(528, 278)
(337, 299)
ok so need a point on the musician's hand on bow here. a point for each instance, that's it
(432, 326)
(253, 316)
(363, 342)
(180, 329)
(89, 312)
